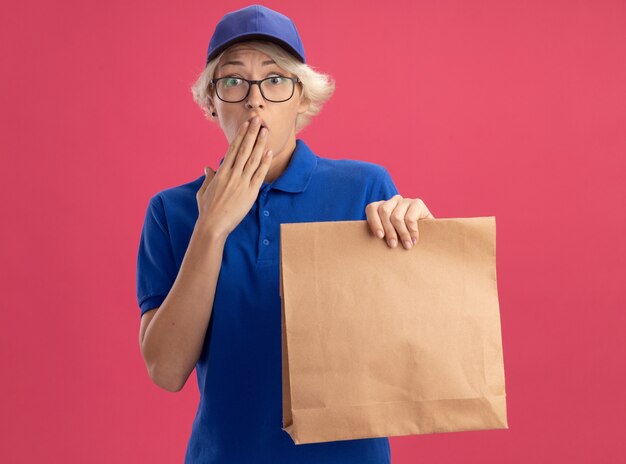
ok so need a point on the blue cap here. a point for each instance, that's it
(255, 22)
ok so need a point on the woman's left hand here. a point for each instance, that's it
(397, 217)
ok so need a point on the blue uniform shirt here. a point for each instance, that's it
(239, 417)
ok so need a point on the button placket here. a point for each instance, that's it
(265, 228)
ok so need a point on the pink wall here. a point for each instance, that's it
(515, 109)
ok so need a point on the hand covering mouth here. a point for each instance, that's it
(262, 124)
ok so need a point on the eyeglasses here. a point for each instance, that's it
(231, 89)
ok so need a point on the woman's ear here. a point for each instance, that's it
(209, 99)
(211, 107)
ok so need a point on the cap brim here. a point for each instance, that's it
(254, 36)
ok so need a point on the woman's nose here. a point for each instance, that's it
(255, 98)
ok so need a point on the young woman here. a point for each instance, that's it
(207, 269)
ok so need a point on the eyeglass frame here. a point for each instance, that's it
(250, 82)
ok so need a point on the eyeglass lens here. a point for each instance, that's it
(275, 88)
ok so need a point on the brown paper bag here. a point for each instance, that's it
(380, 341)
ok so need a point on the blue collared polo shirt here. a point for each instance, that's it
(239, 417)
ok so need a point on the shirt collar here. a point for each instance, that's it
(295, 178)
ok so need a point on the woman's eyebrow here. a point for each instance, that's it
(239, 63)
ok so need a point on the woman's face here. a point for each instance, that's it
(279, 118)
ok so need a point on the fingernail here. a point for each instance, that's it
(407, 244)
(414, 240)
(393, 243)
(255, 120)
(380, 234)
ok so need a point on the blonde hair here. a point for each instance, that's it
(317, 87)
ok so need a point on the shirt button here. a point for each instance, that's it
(266, 242)
(266, 213)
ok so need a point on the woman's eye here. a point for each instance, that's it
(232, 81)
(276, 80)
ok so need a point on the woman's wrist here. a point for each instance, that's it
(210, 232)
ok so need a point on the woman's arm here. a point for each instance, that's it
(173, 340)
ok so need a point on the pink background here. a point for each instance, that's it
(494, 108)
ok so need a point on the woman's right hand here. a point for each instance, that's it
(225, 197)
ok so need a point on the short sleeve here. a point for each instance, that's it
(156, 269)
(386, 188)
(382, 188)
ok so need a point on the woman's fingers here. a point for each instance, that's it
(373, 219)
(261, 172)
(231, 154)
(208, 176)
(394, 220)
(399, 221)
(384, 211)
(392, 217)
(410, 218)
(246, 145)
(255, 157)
(425, 212)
